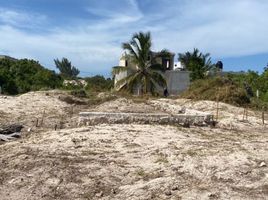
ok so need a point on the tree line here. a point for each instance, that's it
(21, 76)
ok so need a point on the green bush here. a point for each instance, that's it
(79, 93)
(20, 76)
(231, 89)
(99, 83)
(254, 80)
(222, 89)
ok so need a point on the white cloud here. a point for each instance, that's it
(20, 19)
(120, 11)
(223, 28)
(83, 52)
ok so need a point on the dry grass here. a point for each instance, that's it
(217, 89)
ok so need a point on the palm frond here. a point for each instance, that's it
(158, 79)
(165, 53)
(123, 81)
(147, 75)
(134, 81)
(129, 47)
(152, 87)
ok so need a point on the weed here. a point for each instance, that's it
(162, 158)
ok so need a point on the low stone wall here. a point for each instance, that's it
(93, 118)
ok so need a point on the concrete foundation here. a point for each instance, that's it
(93, 118)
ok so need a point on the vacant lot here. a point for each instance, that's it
(132, 161)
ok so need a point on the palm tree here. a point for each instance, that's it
(196, 62)
(145, 75)
(66, 69)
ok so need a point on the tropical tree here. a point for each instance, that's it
(145, 75)
(99, 83)
(196, 62)
(20, 76)
(66, 69)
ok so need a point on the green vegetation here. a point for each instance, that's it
(237, 89)
(196, 62)
(242, 89)
(99, 83)
(146, 75)
(252, 82)
(255, 81)
(222, 89)
(66, 69)
(95, 85)
(20, 76)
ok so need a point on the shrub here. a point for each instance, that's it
(20, 76)
(79, 93)
(222, 89)
(99, 83)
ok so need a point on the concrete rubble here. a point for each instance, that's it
(93, 118)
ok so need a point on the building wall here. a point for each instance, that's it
(177, 81)
(121, 75)
(159, 60)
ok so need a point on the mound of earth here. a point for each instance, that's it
(132, 161)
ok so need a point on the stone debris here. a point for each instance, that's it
(10, 132)
(262, 164)
(93, 118)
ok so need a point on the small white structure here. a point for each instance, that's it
(178, 66)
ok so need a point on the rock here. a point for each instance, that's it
(186, 124)
(174, 187)
(213, 196)
(262, 164)
(182, 110)
(13, 128)
(74, 140)
(168, 193)
(100, 194)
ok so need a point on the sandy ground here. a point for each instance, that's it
(131, 161)
(39, 110)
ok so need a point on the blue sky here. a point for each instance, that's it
(90, 32)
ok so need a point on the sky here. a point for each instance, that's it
(90, 32)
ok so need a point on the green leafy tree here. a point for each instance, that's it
(20, 76)
(145, 75)
(66, 69)
(99, 83)
(196, 62)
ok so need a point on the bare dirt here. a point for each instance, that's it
(131, 161)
